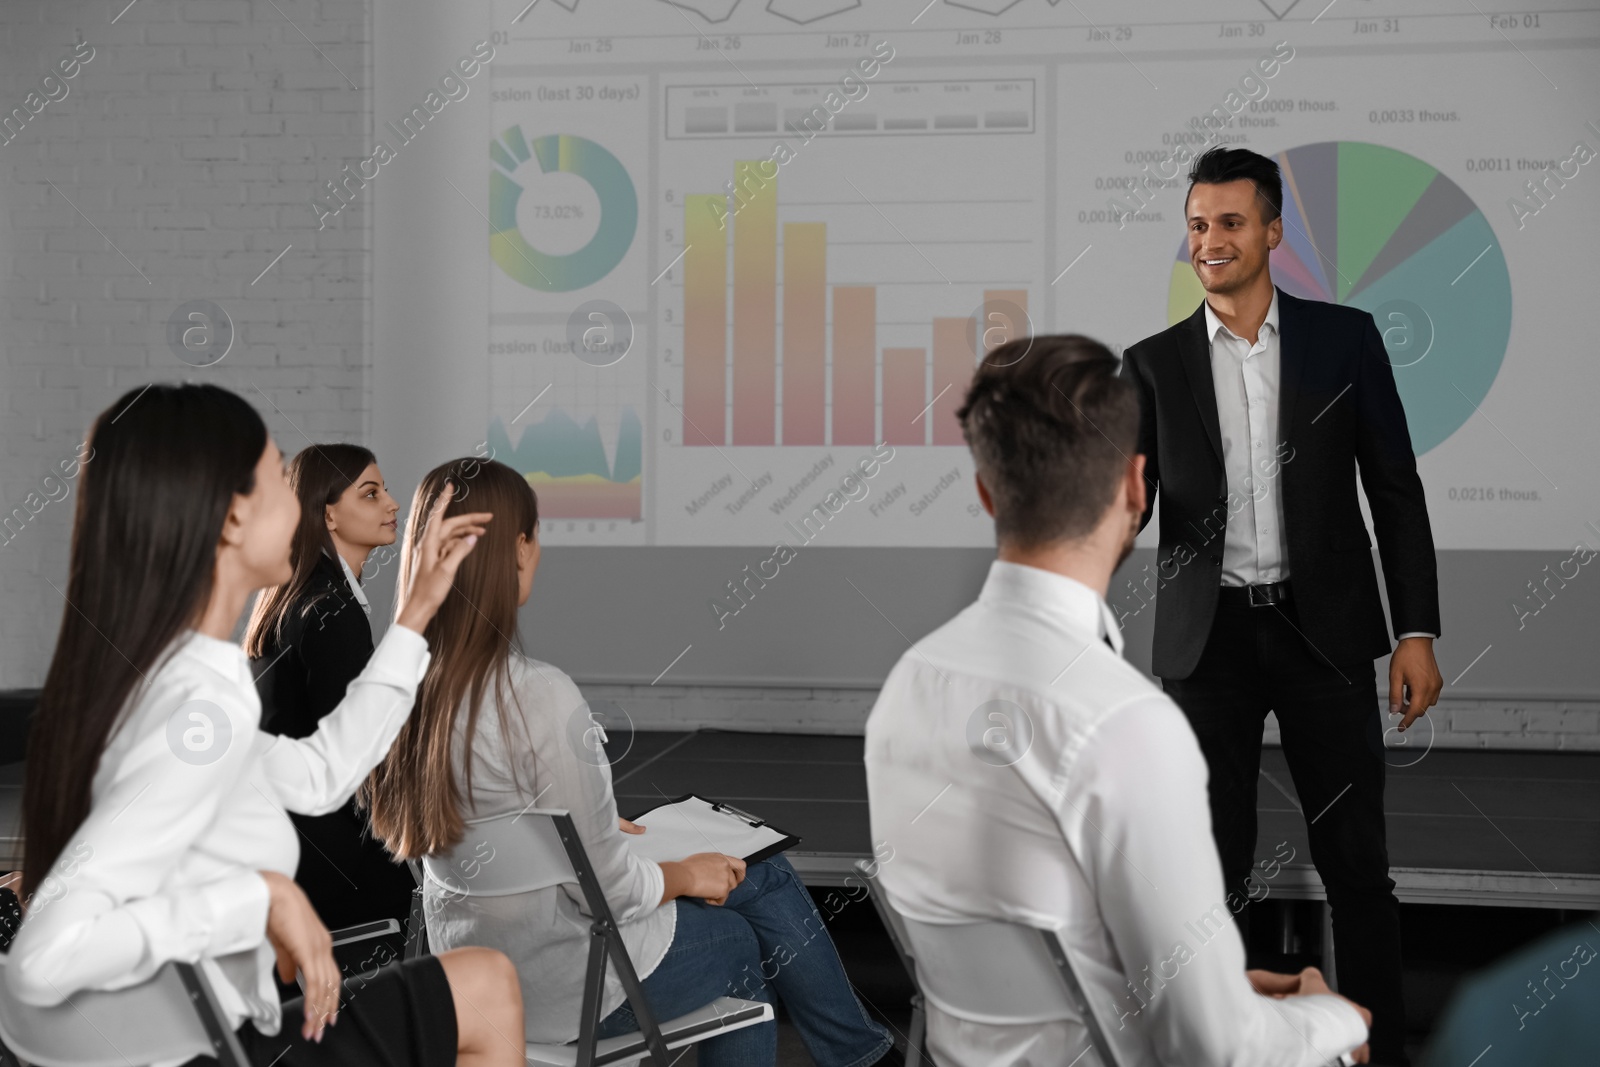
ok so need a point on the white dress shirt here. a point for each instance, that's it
(188, 806)
(1246, 378)
(546, 932)
(1100, 830)
(355, 584)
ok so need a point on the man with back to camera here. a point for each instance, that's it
(1257, 410)
(1021, 770)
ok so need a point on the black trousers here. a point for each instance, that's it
(1256, 660)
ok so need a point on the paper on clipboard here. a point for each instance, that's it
(692, 824)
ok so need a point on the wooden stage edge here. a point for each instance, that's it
(1413, 885)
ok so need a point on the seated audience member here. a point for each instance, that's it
(155, 810)
(1021, 770)
(307, 640)
(493, 733)
(1539, 1005)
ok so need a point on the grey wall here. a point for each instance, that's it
(842, 616)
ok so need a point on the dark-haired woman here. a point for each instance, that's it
(490, 736)
(307, 641)
(154, 810)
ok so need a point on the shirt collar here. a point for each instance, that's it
(1064, 600)
(1213, 324)
(225, 657)
(355, 586)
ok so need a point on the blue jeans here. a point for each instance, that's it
(768, 938)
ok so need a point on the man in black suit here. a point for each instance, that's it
(1255, 414)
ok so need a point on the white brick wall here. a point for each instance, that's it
(194, 139)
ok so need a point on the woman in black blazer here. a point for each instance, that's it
(307, 640)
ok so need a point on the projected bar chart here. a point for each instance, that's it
(911, 401)
(805, 311)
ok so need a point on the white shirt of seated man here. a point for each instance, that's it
(1087, 815)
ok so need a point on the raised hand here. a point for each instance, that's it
(436, 557)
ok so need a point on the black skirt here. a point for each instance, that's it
(404, 1016)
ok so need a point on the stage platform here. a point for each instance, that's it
(1517, 829)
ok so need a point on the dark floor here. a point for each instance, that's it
(1454, 810)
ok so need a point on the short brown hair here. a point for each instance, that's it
(1051, 428)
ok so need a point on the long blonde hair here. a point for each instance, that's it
(415, 802)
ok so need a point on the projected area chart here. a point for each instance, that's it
(568, 380)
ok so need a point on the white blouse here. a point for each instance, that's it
(546, 932)
(189, 804)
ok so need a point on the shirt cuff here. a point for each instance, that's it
(401, 659)
(1347, 1023)
(239, 907)
(655, 886)
(215, 919)
(1416, 633)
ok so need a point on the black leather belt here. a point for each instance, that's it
(1255, 596)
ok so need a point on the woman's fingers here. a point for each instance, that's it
(457, 551)
(430, 529)
(477, 520)
(322, 991)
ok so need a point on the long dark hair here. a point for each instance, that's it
(413, 796)
(319, 475)
(151, 507)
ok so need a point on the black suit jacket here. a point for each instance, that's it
(1338, 409)
(348, 875)
(326, 643)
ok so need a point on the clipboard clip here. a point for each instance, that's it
(742, 816)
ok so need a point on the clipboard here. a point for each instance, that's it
(691, 823)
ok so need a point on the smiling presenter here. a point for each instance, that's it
(1256, 412)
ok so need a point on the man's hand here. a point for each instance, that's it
(1414, 674)
(1272, 984)
(1308, 982)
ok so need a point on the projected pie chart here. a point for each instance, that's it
(582, 158)
(1381, 230)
